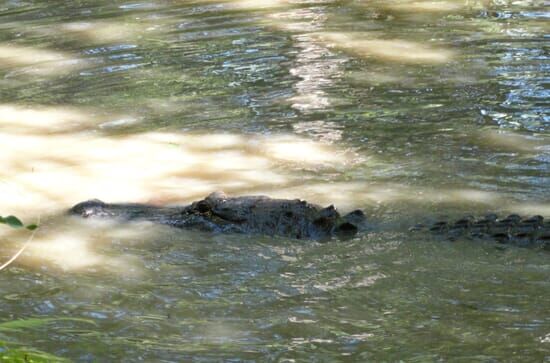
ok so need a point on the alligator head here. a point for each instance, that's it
(217, 212)
(91, 208)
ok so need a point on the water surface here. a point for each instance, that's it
(411, 110)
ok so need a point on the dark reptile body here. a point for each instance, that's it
(524, 232)
(295, 218)
(292, 218)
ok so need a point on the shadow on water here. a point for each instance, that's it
(404, 108)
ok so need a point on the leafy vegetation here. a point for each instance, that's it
(26, 355)
(10, 352)
(15, 222)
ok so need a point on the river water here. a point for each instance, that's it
(410, 110)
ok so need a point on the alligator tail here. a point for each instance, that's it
(513, 229)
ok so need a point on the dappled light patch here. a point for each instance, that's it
(298, 19)
(69, 252)
(375, 78)
(348, 195)
(529, 208)
(102, 31)
(426, 6)
(45, 172)
(61, 119)
(73, 244)
(255, 4)
(39, 119)
(291, 149)
(14, 54)
(512, 141)
(396, 50)
(39, 61)
(423, 10)
(248, 5)
(93, 32)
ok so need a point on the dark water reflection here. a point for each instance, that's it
(405, 108)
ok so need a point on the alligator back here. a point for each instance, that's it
(513, 229)
(292, 218)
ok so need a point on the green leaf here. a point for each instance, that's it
(32, 227)
(12, 221)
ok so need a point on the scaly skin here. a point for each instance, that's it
(302, 220)
(250, 214)
(523, 232)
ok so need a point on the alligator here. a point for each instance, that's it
(299, 219)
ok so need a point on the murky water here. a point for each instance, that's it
(411, 110)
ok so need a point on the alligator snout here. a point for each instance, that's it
(92, 207)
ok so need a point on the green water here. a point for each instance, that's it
(429, 108)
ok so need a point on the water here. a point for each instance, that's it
(411, 110)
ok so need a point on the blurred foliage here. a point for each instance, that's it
(15, 222)
(10, 352)
(26, 355)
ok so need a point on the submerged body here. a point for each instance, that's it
(295, 218)
(522, 232)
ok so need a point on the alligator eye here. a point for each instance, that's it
(202, 207)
